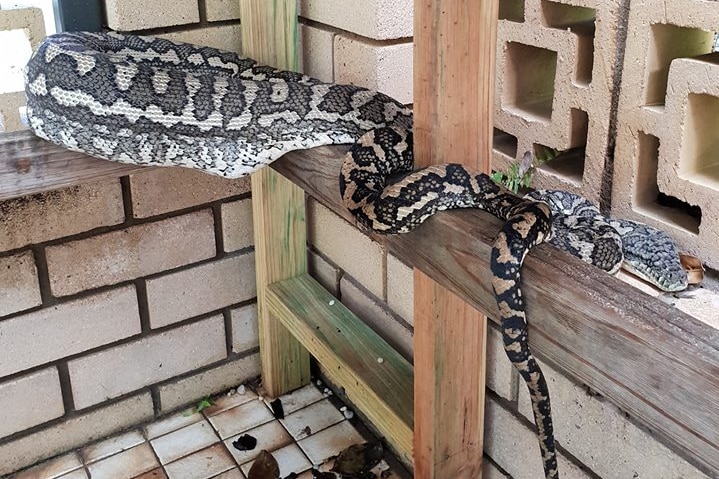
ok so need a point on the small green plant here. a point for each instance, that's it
(202, 404)
(521, 173)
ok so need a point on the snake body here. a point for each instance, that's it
(151, 101)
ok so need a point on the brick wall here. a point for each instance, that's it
(122, 300)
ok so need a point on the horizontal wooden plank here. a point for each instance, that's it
(652, 360)
(30, 165)
(374, 376)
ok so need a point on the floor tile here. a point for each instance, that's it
(231, 474)
(316, 417)
(223, 403)
(172, 423)
(330, 442)
(76, 474)
(158, 473)
(290, 459)
(111, 446)
(270, 436)
(299, 398)
(241, 418)
(125, 465)
(53, 468)
(202, 464)
(182, 442)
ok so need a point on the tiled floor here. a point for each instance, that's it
(199, 445)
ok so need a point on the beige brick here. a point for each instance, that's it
(77, 431)
(122, 369)
(244, 328)
(44, 217)
(400, 288)
(378, 317)
(598, 434)
(502, 377)
(225, 37)
(515, 447)
(144, 14)
(208, 287)
(327, 274)
(33, 399)
(318, 53)
(378, 19)
(386, 68)
(185, 391)
(162, 190)
(237, 231)
(347, 247)
(19, 287)
(68, 328)
(217, 10)
(130, 253)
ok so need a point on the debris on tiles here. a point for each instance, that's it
(264, 467)
(246, 442)
(277, 409)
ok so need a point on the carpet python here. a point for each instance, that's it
(150, 101)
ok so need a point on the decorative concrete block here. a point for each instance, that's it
(554, 90)
(666, 173)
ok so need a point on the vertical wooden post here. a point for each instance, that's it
(269, 34)
(453, 109)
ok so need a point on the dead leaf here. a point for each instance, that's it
(358, 458)
(693, 267)
(264, 467)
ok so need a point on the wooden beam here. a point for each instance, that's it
(269, 35)
(453, 108)
(30, 165)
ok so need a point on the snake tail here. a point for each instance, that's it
(527, 226)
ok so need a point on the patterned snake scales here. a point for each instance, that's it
(150, 101)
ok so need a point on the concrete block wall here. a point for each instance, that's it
(125, 299)
(24, 27)
(555, 69)
(668, 175)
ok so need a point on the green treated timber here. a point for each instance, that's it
(374, 376)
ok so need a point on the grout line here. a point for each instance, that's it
(219, 231)
(156, 400)
(68, 401)
(43, 276)
(607, 178)
(143, 306)
(126, 189)
(229, 340)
